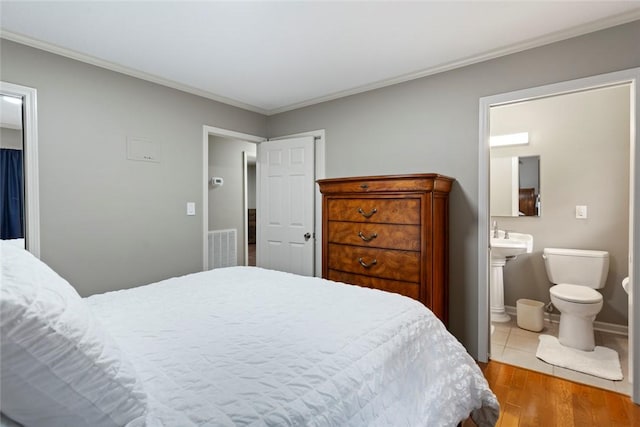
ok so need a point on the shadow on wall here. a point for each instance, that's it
(463, 308)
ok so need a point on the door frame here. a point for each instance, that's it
(206, 132)
(31, 175)
(630, 76)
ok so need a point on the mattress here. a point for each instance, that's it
(244, 346)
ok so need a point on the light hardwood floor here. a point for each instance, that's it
(529, 398)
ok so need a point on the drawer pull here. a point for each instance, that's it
(364, 186)
(365, 265)
(365, 238)
(365, 214)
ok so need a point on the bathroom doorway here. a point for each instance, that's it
(532, 281)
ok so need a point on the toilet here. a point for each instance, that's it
(576, 274)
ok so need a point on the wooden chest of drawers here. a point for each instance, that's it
(389, 233)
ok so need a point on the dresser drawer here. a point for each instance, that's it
(411, 290)
(384, 263)
(390, 211)
(391, 236)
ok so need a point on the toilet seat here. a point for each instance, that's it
(576, 293)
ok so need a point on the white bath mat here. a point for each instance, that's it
(602, 362)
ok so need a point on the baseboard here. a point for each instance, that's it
(611, 328)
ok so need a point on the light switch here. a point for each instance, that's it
(581, 212)
(191, 208)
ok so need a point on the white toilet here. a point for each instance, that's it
(576, 275)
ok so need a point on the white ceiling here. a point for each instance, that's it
(275, 56)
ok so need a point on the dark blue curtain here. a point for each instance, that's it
(11, 194)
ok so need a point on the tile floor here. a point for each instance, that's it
(515, 346)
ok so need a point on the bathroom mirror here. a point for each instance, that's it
(515, 186)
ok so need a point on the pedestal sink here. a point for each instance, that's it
(504, 247)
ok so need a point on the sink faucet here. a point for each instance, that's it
(495, 229)
(506, 234)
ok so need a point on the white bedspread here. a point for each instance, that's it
(245, 346)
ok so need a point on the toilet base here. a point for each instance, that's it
(577, 332)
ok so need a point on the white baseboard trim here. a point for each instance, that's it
(597, 325)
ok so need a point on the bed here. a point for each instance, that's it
(239, 346)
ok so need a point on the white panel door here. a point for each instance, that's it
(285, 214)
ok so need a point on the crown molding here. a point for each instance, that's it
(576, 31)
(112, 66)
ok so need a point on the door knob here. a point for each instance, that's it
(307, 236)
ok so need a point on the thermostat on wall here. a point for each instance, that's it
(216, 181)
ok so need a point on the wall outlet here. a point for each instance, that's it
(581, 212)
(191, 208)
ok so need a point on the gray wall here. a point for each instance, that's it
(11, 138)
(226, 203)
(431, 125)
(108, 222)
(583, 143)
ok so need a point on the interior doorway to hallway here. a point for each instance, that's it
(210, 184)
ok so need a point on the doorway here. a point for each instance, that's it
(319, 171)
(228, 202)
(573, 141)
(628, 77)
(24, 101)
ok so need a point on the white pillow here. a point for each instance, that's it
(59, 366)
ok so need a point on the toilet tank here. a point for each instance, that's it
(577, 266)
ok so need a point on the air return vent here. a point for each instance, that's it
(223, 248)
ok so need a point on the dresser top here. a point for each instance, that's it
(409, 182)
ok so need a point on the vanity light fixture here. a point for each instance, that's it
(521, 138)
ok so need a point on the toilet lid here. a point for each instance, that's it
(576, 293)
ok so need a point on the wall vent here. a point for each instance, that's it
(223, 248)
